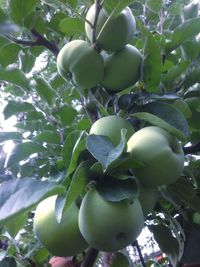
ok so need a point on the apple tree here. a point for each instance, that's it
(105, 96)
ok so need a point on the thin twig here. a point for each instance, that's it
(39, 41)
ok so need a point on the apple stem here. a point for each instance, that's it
(140, 253)
(90, 257)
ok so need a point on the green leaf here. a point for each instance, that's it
(23, 151)
(70, 145)
(14, 225)
(4, 136)
(152, 63)
(192, 78)
(13, 108)
(124, 162)
(20, 9)
(16, 77)
(78, 148)
(103, 150)
(114, 189)
(116, 6)
(100, 147)
(175, 9)
(20, 195)
(34, 115)
(77, 185)
(66, 114)
(9, 54)
(51, 137)
(184, 192)
(8, 262)
(165, 116)
(183, 32)
(169, 78)
(72, 26)
(166, 241)
(45, 91)
(154, 6)
(27, 61)
(115, 153)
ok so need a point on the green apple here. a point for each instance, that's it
(61, 239)
(109, 226)
(161, 154)
(111, 126)
(116, 33)
(80, 62)
(122, 69)
(148, 197)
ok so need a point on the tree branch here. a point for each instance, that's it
(90, 257)
(140, 253)
(192, 149)
(39, 41)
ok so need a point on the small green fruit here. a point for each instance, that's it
(61, 239)
(82, 63)
(117, 32)
(111, 126)
(122, 69)
(161, 154)
(109, 226)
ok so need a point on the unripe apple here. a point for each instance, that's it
(61, 239)
(111, 126)
(122, 69)
(117, 32)
(80, 62)
(161, 154)
(148, 197)
(109, 226)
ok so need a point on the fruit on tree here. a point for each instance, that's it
(109, 226)
(148, 197)
(161, 154)
(80, 62)
(111, 126)
(117, 31)
(122, 69)
(61, 239)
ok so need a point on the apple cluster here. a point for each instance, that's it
(106, 225)
(117, 224)
(99, 223)
(110, 61)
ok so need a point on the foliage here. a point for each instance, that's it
(53, 153)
